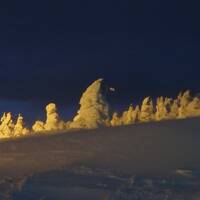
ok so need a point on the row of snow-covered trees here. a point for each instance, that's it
(95, 112)
(183, 106)
(10, 129)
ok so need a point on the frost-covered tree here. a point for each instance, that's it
(38, 126)
(53, 121)
(19, 129)
(94, 110)
(168, 103)
(147, 110)
(7, 126)
(193, 108)
(136, 114)
(184, 100)
(131, 115)
(116, 120)
(124, 117)
(174, 109)
(161, 110)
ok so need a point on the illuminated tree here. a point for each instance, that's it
(130, 116)
(38, 126)
(94, 110)
(7, 126)
(193, 108)
(184, 100)
(116, 120)
(161, 110)
(147, 110)
(136, 114)
(174, 109)
(124, 117)
(19, 128)
(53, 121)
(168, 103)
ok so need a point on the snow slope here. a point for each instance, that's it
(143, 161)
(149, 148)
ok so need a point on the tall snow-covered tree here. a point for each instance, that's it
(147, 110)
(94, 109)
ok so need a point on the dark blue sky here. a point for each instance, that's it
(51, 50)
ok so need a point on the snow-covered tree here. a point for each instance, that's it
(7, 126)
(53, 121)
(174, 109)
(38, 126)
(124, 117)
(184, 100)
(168, 103)
(161, 110)
(94, 110)
(19, 128)
(136, 114)
(116, 120)
(147, 110)
(193, 108)
(128, 117)
(131, 115)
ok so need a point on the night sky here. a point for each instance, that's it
(52, 50)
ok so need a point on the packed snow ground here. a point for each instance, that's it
(158, 150)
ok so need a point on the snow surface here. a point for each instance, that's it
(154, 151)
